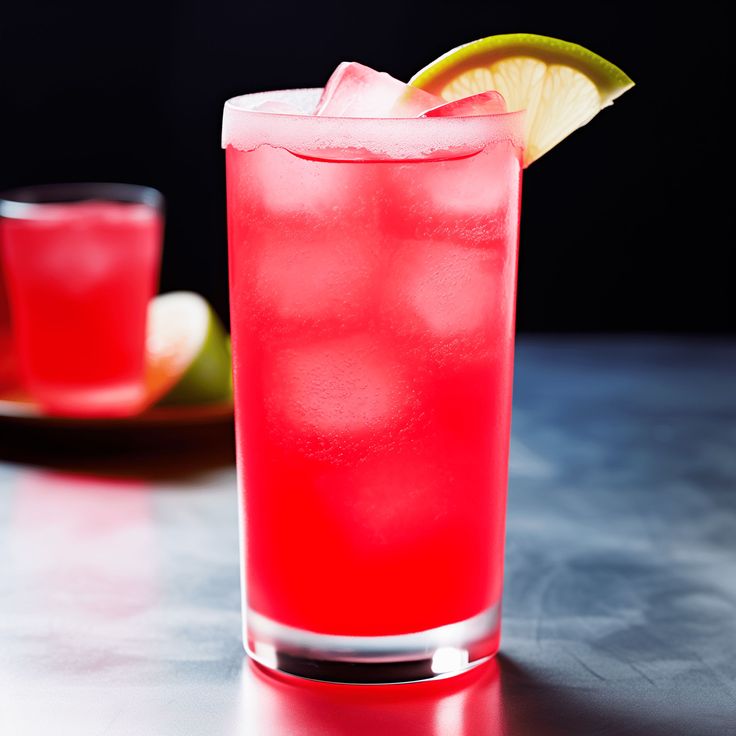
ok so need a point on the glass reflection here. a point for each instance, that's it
(83, 559)
(469, 705)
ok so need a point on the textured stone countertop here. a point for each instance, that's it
(119, 600)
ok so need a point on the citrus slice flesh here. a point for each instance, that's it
(187, 351)
(562, 86)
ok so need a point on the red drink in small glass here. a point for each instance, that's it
(8, 368)
(372, 282)
(81, 265)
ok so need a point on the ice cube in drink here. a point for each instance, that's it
(355, 90)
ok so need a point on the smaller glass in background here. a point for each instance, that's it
(8, 372)
(81, 265)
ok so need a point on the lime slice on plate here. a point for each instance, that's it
(187, 351)
(561, 85)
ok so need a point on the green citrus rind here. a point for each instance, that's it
(209, 377)
(607, 77)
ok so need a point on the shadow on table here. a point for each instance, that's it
(536, 707)
(144, 453)
(499, 698)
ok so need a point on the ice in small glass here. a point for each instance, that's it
(81, 263)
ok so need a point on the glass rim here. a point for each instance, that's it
(21, 202)
(360, 139)
(232, 103)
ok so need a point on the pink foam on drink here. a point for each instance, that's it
(357, 91)
(360, 139)
(485, 103)
(276, 107)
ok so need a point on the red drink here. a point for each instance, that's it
(372, 278)
(80, 276)
(7, 350)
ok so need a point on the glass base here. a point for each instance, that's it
(372, 660)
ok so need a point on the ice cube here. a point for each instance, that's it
(445, 291)
(472, 200)
(302, 222)
(345, 386)
(395, 498)
(475, 187)
(357, 91)
(89, 262)
(485, 103)
(303, 273)
(284, 184)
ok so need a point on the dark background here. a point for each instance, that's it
(623, 227)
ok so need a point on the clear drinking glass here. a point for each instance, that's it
(372, 287)
(81, 264)
(7, 347)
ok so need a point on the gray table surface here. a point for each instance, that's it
(119, 600)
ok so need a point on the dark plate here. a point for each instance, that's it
(22, 422)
